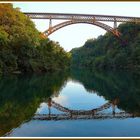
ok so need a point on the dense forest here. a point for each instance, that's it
(109, 52)
(23, 48)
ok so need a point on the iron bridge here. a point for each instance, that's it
(70, 19)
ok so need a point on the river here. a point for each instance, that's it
(77, 103)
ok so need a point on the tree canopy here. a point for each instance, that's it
(22, 46)
(109, 52)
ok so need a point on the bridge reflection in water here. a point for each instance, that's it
(115, 94)
(69, 114)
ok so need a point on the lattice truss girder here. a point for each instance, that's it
(63, 16)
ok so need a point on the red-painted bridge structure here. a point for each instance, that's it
(69, 19)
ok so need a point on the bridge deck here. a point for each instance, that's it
(63, 16)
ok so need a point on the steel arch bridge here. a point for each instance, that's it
(82, 18)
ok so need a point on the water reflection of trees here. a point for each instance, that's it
(124, 86)
(20, 97)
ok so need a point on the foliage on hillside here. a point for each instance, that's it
(22, 48)
(109, 52)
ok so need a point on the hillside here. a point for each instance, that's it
(109, 52)
(22, 47)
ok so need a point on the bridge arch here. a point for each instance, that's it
(70, 22)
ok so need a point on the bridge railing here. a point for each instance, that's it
(63, 16)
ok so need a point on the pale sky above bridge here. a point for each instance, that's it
(75, 35)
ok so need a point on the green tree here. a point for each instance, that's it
(23, 48)
(108, 52)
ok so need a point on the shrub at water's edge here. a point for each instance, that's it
(108, 52)
(23, 48)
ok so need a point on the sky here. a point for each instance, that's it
(75, 35)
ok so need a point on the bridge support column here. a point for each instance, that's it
(94, 20)
(50, 26)
(115, 23)
(115, 28)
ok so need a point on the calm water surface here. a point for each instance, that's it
(79, 103)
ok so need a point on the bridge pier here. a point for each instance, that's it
(116, 32)
(94, 19)
(50, 26)
(115, 23)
